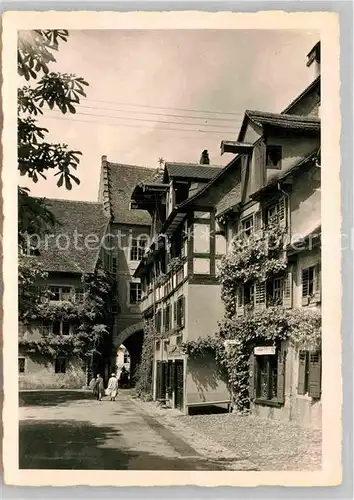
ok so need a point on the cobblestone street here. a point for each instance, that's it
(71, 430)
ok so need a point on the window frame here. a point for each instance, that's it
(138, 291)
(137, 250)
(307, 282)
(276, 204)
(243, 230)
(60, 333)
(271, 149)
(58, 368)
(272, 396)
(71, 294)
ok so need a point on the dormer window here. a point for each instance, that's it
(274, 155)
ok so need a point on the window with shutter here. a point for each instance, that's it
(252, 377)
(281, 375)
(175, 314)
(314, 383)
(288, 290)
(260, 295)
(318, 285)
(183, 310)
(302, 383)
(275, 213)
(257, 221)
(308, 279)
(240, 301)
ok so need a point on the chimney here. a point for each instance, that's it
(314, 61)
(204, 159)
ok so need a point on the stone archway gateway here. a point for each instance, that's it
(128, 332)
(132, 338)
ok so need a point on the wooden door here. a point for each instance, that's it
(179, 384)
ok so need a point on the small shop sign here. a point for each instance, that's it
(264, 350)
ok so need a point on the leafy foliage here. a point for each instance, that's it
(301, 327)
(90, 318)
(143, 373)
(255, 259)
(37, 156)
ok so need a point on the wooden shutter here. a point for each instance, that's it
(305, 286)
(257, 222)
(175, 320)
(252, 376)
(183, 311)
(282, 212)
(260, 295)
(318, 282)
(281, 374)
(315, 374)
(288, 290)
(158, 321)
(240, 301)
(301, 389)
(260, 166)
(165, 319)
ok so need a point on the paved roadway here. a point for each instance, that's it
(71, 430)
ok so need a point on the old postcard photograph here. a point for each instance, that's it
(172, 289)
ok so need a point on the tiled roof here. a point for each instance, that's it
(192, 170)
(122, 181)
(282, 120)
(294, 122)
(66, 252)
(232, 198)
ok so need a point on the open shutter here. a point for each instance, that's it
(318, 283)
(183, 310)
(260, 295)
(315, 374)
(260, 165)
(288, 290)
(257, 222)
(305, 286)
(281, 374)
(252, 377)
(165, 319)
(175, 320)
(282, 212)
(240, 301)
(302, 373)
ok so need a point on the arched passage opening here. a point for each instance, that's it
(132, 339)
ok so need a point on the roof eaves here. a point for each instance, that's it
(303, 94)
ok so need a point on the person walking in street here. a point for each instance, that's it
(98, 389)
(112, 387)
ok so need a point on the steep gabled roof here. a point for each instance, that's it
(64, 249)
(279, 120)
(193, 171)
(313, 87)
(122, 179)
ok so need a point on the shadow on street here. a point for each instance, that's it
(52, 398)
(71, 444)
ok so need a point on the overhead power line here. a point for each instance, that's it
(98, 108)
(151, 121)
(165, 107)
(195, 131)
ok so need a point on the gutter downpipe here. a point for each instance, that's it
(291, 396)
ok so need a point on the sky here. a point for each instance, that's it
(169, 94)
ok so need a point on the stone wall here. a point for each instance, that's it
(40, 374)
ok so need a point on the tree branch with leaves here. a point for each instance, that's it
(46, 90)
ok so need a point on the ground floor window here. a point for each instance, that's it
(267, 373)
(60, 365)
(21, 365)
(309, 376)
